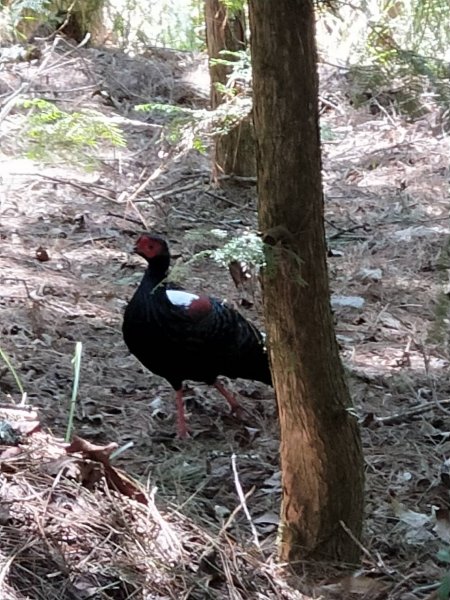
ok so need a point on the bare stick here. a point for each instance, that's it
(241, 496)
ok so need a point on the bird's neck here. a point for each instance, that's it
(157, 271)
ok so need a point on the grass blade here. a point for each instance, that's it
(76, 361)
(5, 357)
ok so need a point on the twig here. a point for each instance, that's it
(332, 105)
(167, 186)
(238, 178)
(7, 107)
(17, 280)
(84, 188)
(427, 588)
(222, 199)
(121, 450)
(351, 535)
(13, 409)
(233, 514)
(343, 231)
(407, 414)
(197, 219)
(241, 496)
(26, 85)
(175, 191)
(141, 187)
(130, 219)
(139, 214)
(69, 14)
(385, 112)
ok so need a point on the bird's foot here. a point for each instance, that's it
(182, 429)
(237, 411)
(236, 408)
(183, 432)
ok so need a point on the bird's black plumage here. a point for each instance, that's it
(182, 336)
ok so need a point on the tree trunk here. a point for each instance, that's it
(73, 19)
(225, 30)
(321, 457)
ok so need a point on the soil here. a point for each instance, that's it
(67, 271)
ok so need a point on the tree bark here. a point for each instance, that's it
(72, 19)
(321, 457)
(235, 150)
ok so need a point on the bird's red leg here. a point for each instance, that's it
(182, 430)
(235, 408)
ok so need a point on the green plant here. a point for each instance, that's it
(247, 247)
(175, 24)
(10, 366)
(178, 120)
(18, 11)
(397, 52)
(443, 591)
(234, 6)
(53, 134)
(239, 79)
(194, 127)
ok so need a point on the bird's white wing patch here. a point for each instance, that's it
(180, 298)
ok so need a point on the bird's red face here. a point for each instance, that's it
(148, 247)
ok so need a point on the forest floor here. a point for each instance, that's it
(66, 273)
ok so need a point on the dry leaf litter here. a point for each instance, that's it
(177, 528)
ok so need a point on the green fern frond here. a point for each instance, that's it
(53, 133)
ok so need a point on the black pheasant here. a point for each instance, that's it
(180, 335)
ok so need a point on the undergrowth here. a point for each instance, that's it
(52, 134)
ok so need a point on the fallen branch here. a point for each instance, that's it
(398, 418)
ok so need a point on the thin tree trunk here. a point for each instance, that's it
(235, 150)
(321, 458)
